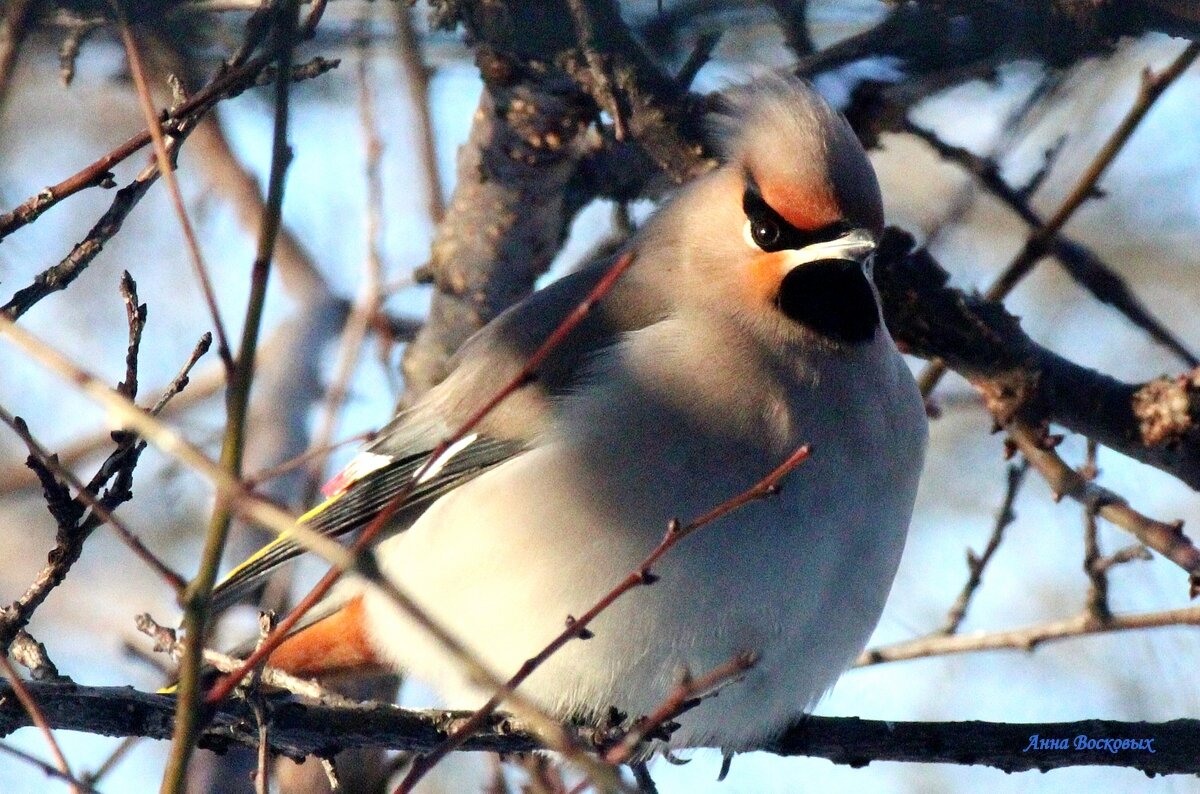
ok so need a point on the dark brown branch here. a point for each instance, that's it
(1155, 422)
(299, 730)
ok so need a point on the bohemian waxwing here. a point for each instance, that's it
(746, 327)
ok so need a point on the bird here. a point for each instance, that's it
(746, 326)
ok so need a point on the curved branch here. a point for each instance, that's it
(1157, 422)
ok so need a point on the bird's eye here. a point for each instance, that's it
(765, 232)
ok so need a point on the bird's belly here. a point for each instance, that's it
(799, 580)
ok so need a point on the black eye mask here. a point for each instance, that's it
(772, 233)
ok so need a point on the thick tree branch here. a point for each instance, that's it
(1157, 422)
(298, 730)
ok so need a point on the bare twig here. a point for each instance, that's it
(166, 641)
(37, 717)
(1027, 638)
(16, 477)
(683, 698)
(577, 627)
(198, 593)
(257, 478)
(370, 298)
(48, 769)
(110, 763)
(416, 85)
(184, 115)
(166, 167)
(1167, 539)
(977, 563)
(64, 559)
(1039, 242)
(60, 276)
(247, 504)
(1079, 261)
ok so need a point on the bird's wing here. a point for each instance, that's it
(489, 359)
(362, 490)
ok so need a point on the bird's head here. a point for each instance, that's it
(785, 230)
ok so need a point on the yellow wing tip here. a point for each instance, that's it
(279, 541)
(168, 690)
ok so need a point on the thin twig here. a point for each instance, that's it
(1027, 638)
(115, 757)
(685, 696)
(17, 477)
(1152, 86)
(39, 719)
(977, 563)
(225, 84)
(89, 498)
(166, 641)
(1167, 539)
(61, 275)
(167, 169)
(257, 478)
(578, 627)
(1097, 597)
(1080, 262)
(49, 769)
(370, 297)
(222, 689)
(416, 84)
(248, 505)
(199, 591)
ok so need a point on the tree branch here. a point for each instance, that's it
(298, 730)
(1157, 422)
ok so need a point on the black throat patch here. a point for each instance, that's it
(831, 297)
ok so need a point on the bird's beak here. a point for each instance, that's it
(856, 246)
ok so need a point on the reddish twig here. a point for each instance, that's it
(225, 685)
(685, 697)
(577, 627)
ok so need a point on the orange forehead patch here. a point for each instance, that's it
(804, 209)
